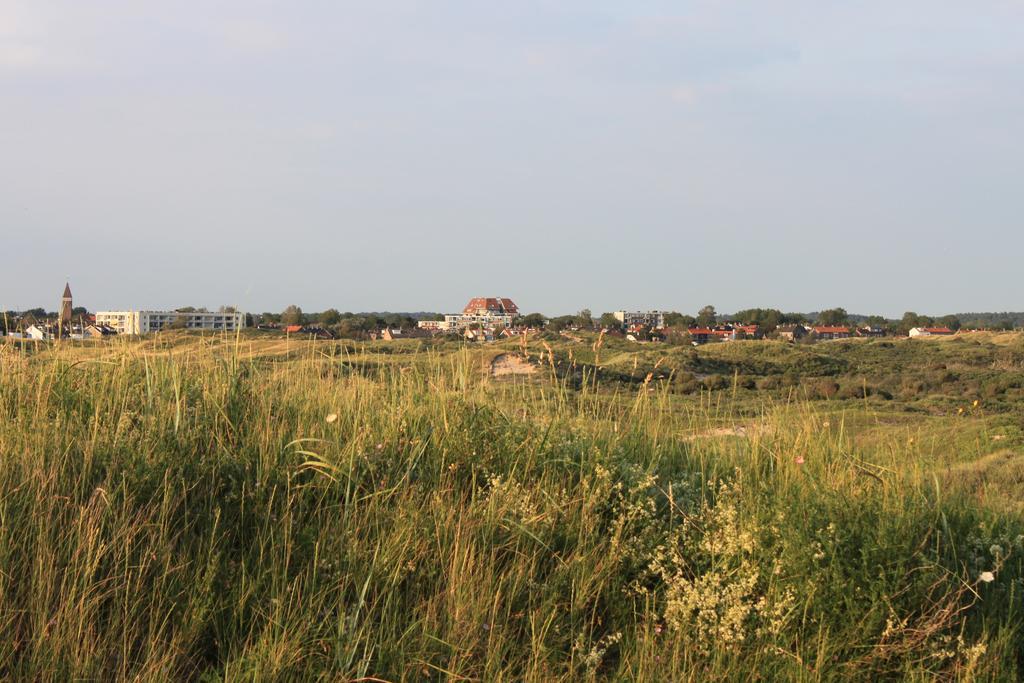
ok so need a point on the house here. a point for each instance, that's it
(746, 332)
(316, 332)
(826, 332)
(484, 335)
(37, 332)
(700, 335)
(99, 331)
(871, 331)
(632, 320)
(930, 331)
(391, 334)
(791, 332)
(728, 332)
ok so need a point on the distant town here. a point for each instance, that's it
(487, 319)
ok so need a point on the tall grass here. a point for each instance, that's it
(207, 513)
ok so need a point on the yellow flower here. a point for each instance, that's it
(333, 417)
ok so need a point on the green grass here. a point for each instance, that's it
(235, 509)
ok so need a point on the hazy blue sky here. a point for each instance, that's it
(568, 154)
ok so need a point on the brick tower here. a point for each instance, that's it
(64, 323)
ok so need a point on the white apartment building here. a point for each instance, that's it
(459, 322)
(143, 322)
(652, 319)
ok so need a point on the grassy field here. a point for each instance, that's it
(254, 508)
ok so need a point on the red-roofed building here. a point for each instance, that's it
(930, 331)
(702, 335)
(483, 312)
(830, 332)
(481, 306)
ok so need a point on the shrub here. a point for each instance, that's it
(824, 389)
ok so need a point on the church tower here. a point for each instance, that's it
(65, 311)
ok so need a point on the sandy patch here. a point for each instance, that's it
(510, 364)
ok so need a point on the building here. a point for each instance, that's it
(930, 331)
(825, 332)
(485, 335)
(746, 332)
(632, 320)
(490, 312)
(66, 307)
(143, 322)
(37, 332)
(702, 335)
(871, 331)
(791, 332)
(432, 325)
(99, 331)
(481, 306)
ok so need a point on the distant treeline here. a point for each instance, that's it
(992, 320)
(768, 319)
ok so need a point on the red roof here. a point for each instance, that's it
(938, 330)
(493, 305)
(293, 328)
(826, 329)
(717, 331)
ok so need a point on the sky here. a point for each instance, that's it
(568, 154)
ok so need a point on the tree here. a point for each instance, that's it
(677, 319)
(180, 323)
(330, 317)
(706, 317)
(585, 318)
(349, 328)
(950, 321)
(911, 320)
(561, 322)
(833, 316)
(609, 321)
(766, 319)
(532, 320)
(227, 309)
(292, 315)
